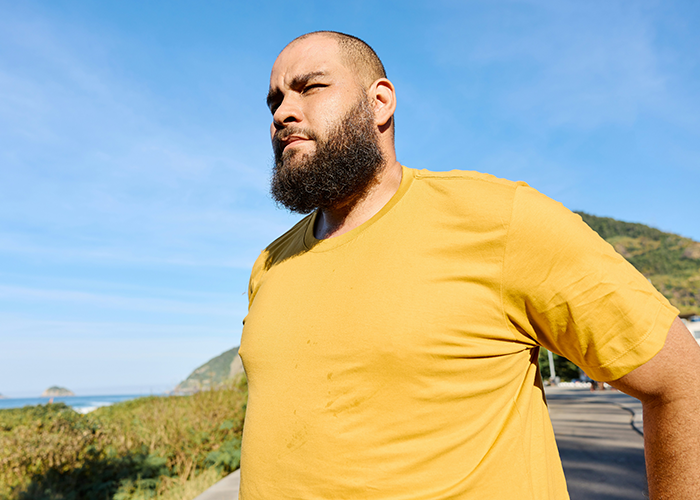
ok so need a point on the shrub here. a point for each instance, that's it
(564, 368)
(134, 450)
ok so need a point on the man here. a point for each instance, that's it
(392, 336)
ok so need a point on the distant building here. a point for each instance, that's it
(693, 324)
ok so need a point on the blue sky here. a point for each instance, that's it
(134, 151)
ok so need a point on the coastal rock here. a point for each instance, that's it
(54, 391)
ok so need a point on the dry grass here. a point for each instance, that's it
(192, 488)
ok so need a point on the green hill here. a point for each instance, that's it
(671, 262)
(212, 373)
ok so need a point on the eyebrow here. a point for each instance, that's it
(298, 81)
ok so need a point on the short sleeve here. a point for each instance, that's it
(568, 290)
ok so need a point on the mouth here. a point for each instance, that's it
(291, 137)
(291, 141)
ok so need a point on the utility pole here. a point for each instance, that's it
(552, 372)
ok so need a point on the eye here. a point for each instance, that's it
(313, 86)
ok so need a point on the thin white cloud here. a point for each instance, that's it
(221, 307)
(562, 63)
(92, 157)
(18, 329)
(96, 365)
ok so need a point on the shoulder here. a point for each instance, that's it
(483, 191)
(291, 243)
(463, 177)
(467, 195)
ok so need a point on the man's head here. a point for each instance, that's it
(355, 54)
(332, 125)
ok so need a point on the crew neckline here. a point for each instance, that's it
(313, 244)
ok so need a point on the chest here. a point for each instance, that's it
(419, 298)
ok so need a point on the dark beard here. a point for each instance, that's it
(341, 170)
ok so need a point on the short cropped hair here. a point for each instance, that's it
(356, 54)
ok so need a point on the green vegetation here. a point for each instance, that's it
(669, 261)
(163, 448)
(565, 369)
(212, 373)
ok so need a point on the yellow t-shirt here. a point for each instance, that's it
(398, 360)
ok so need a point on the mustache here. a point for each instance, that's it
(284, 134)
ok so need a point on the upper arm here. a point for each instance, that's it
(567, 289)
(671, 374)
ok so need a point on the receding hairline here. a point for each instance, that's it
(356, 54)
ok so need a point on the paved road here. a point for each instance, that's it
(600, 443)
(599, 439)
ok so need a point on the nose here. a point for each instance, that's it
(287, 112)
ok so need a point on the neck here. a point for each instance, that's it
(335, 221)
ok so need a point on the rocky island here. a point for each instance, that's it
(55, 391)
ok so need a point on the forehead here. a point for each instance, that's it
(315, 54)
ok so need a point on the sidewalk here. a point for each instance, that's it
(226, 489)
(599, 435)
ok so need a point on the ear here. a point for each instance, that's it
(383, 97)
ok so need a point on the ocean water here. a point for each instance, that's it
(81, 404)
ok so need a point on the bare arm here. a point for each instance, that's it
(668, 386)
